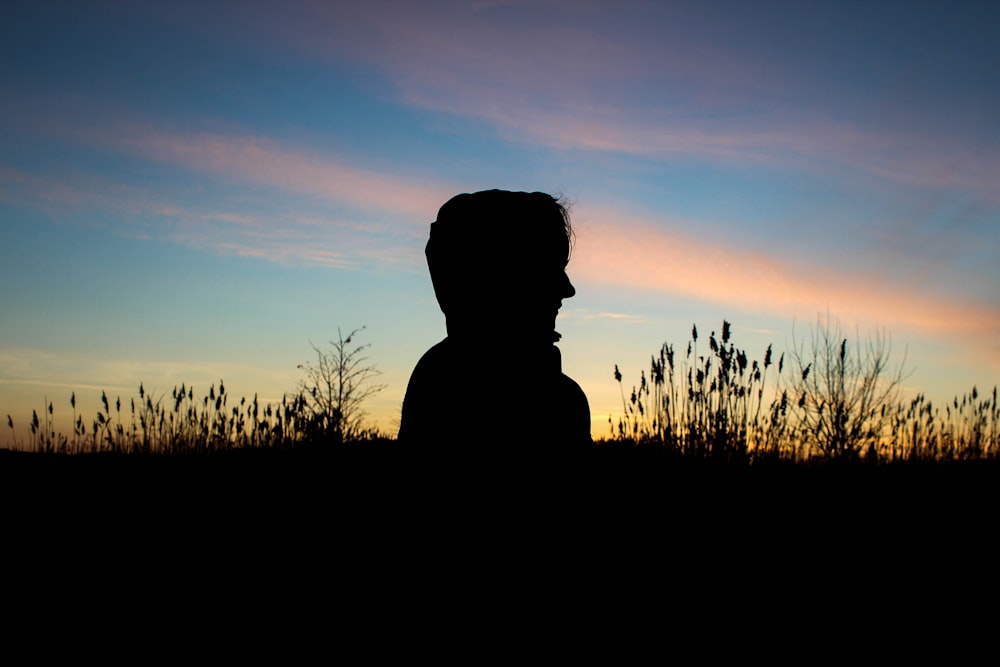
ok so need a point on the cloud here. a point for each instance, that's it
(258, 160)
(665, 82)
(651, 255)
(587, 314)
(819, 144)
(24, 188)
(24, 366)
(234, 155)
(342, 215)
(287, 236)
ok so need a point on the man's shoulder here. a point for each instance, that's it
(440, 353)
(572, 387)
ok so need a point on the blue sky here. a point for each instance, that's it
(195, 191)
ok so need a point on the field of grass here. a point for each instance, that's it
(798, 465)
(827, 400)
(830, 400)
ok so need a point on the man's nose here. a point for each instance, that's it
(568, 289)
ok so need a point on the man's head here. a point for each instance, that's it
(498, 262)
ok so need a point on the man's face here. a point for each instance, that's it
(509, 284)
(533, 297)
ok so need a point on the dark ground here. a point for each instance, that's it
(373, 534)
(383, 476)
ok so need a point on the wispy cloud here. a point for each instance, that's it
(587, 314)
(783, 141)
(645, 254)
(564, 81)
(35, 367)
(262, 161)
(20, 187)
(342, 215)
(234, 155)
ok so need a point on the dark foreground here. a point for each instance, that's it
(374, 533)
(382, 475)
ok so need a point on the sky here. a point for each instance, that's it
(196, 191)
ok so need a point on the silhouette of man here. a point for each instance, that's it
(497, 261)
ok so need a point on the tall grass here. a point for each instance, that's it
(834, 401)
(827, 401)
(183, 423)
(968, 428)
(714, 405)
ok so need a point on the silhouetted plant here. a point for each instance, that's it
(834, 401)
(845, 393)
(328, 407)
(719, 406)
(335, 389)
(709, 407)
